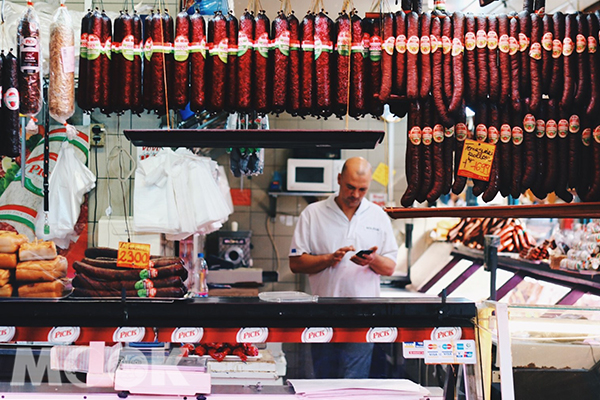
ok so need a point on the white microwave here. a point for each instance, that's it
(313, 175)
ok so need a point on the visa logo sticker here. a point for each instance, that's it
(413, 350)
(450, 352)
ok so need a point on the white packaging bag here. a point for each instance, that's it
(69, 181)
(154, 205)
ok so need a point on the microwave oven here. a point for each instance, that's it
(313, 175)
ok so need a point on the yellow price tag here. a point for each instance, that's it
(381, 174)
(476, 160)
(133, 255)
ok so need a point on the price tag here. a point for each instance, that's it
(476, 160)
(133, 255)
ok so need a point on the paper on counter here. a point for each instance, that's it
(357, 387)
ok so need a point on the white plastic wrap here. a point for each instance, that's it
(61, 92)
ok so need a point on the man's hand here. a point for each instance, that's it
(337, 256)
(366, 259)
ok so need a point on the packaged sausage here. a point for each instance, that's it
(30, 62)
(61, 90)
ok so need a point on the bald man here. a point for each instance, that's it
(328, 236)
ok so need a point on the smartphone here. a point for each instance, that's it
(363, 252)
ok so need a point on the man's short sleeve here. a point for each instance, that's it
(301, 239)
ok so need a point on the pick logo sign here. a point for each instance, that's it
(129, 334)
(454, 333)
(317, 335)
(7, 333)
(187, 335)
(382, 335)
(252, 335)
(64, 334)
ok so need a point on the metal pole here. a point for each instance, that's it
(23, 149)
(490, 253)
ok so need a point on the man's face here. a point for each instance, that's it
(353, 188)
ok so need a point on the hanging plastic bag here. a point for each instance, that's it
(154, 206)
(69, 181)
(61, 91)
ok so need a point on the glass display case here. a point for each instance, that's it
(541, 352)
(150, 328)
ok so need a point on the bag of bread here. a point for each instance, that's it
(6, 290)
(42, 271)
(37, 250)
(11, 241)
(57, 288)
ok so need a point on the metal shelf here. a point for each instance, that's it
(272, 138)
(301, 194)
(563, 210)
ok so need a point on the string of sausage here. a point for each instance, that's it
(359, 68)
(294, 74)
(458, 28)
(504, 58)
(471, 59)
(387, 56)
(232, 62)
(413, 155)
(427, 151)
(280, 64)
(493, 137)
(197, 62)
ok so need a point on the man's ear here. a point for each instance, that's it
(340, 179)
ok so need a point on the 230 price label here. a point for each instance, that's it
(133, 255)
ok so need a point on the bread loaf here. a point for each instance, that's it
(4, 276)
(6, 291)
(42, 289)
(42, 271)
(8, 260)
(10, 241)
(38, 250)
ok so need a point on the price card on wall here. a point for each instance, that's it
(476, 160)
(133, 255)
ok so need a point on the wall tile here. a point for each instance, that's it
(242, 217)
(281, 227)
(287, 204)
(262, 247)
(257, 223)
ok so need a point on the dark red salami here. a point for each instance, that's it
(197, 62)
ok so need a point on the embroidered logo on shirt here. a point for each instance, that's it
(372, 228)
(294, 251)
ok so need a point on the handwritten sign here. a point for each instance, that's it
(476, 160)
(133, 255)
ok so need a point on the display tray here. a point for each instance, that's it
(562, 210)
(536, 269)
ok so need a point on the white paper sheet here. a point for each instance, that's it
(332, 388)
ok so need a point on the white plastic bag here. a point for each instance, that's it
(69, 181)
(154, 206)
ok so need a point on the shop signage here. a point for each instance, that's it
(64, 334)
(317, 335)
(382, 335)
(129, 334)
(252, 335)
(7, 333)
(187, 335)
(454, 333)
